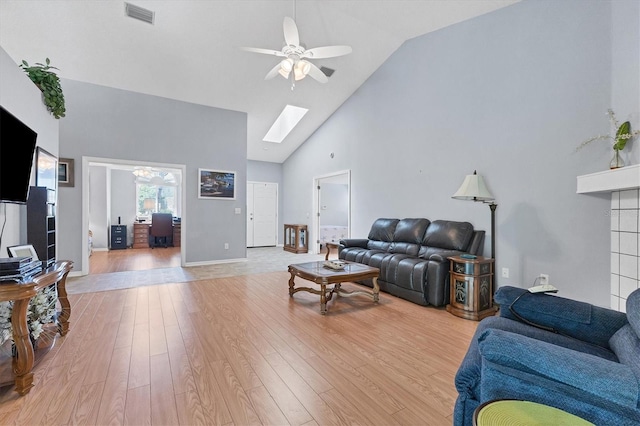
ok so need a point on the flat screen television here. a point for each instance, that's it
(17, 147)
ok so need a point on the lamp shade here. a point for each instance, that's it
(149, 204)
(473, 188)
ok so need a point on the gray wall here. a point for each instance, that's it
(263, 171)
(110, 123)
(23, 99)
(510, 94)
(625, 66)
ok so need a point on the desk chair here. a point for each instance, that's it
(161, 228)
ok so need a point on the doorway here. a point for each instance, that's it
(262, 214)
(332, 207)
(97, 222)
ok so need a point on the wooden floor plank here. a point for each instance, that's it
(113, 400)
(239, 351)
(266, 408)
(236, 398)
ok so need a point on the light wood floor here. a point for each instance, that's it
(240, 351)
(104, 262)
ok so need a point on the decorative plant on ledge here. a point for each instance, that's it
(622, 136)
(49, 84)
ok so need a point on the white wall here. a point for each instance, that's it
(510, 94)
(335, 204)
(98, 211)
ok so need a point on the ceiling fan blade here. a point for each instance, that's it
(326, 52)
(265, 51)
(291, 36)
(274, 72)
(316, 74)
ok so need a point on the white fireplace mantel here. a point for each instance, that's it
(610, 180)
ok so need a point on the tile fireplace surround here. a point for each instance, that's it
(624, 186)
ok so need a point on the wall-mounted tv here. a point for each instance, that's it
(17, 147)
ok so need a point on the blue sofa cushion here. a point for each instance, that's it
(579, 320)
(556, 367)
(626, 345)
(633, 311)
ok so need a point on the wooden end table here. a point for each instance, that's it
(471, 287)
(318, 273)
(330, 246)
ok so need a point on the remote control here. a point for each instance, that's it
(468, 256)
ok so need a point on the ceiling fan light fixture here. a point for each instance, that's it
(296, 54)
(301, 69)
(286, 65)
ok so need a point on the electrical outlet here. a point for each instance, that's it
(226, 246)
(544, 279)
(505, 272)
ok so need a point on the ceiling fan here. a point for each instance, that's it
(296, 63)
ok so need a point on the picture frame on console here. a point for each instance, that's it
(46, 169)
(25, 250)
(65, 172)
(216, 184)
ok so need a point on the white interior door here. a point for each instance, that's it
(262, 214)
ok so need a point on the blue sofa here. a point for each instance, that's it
(579, 358)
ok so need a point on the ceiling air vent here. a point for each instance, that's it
(139, 13)
(327, 71)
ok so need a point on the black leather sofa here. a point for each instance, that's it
(412, 255)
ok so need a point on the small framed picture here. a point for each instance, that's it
(46, 169)
(65, 172)
(216, 184)
(25, 250)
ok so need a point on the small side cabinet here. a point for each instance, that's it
(118, 237)
(471, 284)
(296, 238)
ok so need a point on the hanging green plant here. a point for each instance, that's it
(49, 84)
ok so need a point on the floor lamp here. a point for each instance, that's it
(474, 189)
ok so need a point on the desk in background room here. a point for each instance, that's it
(141, 234)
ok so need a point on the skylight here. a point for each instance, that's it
(286, 121)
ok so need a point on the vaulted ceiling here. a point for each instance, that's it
(192, 50)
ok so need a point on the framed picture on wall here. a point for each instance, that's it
(65, 172)
(46, 169)
(216, 184)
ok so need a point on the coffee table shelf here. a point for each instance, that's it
(319, 274)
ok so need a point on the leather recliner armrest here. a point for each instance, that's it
(354, 242)
(443, 256)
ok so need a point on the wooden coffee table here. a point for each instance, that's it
(323, 276)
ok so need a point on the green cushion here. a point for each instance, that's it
(512, 413)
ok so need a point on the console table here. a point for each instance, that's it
(20, 293)
(295, 238)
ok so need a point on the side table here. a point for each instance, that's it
(471, 284)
